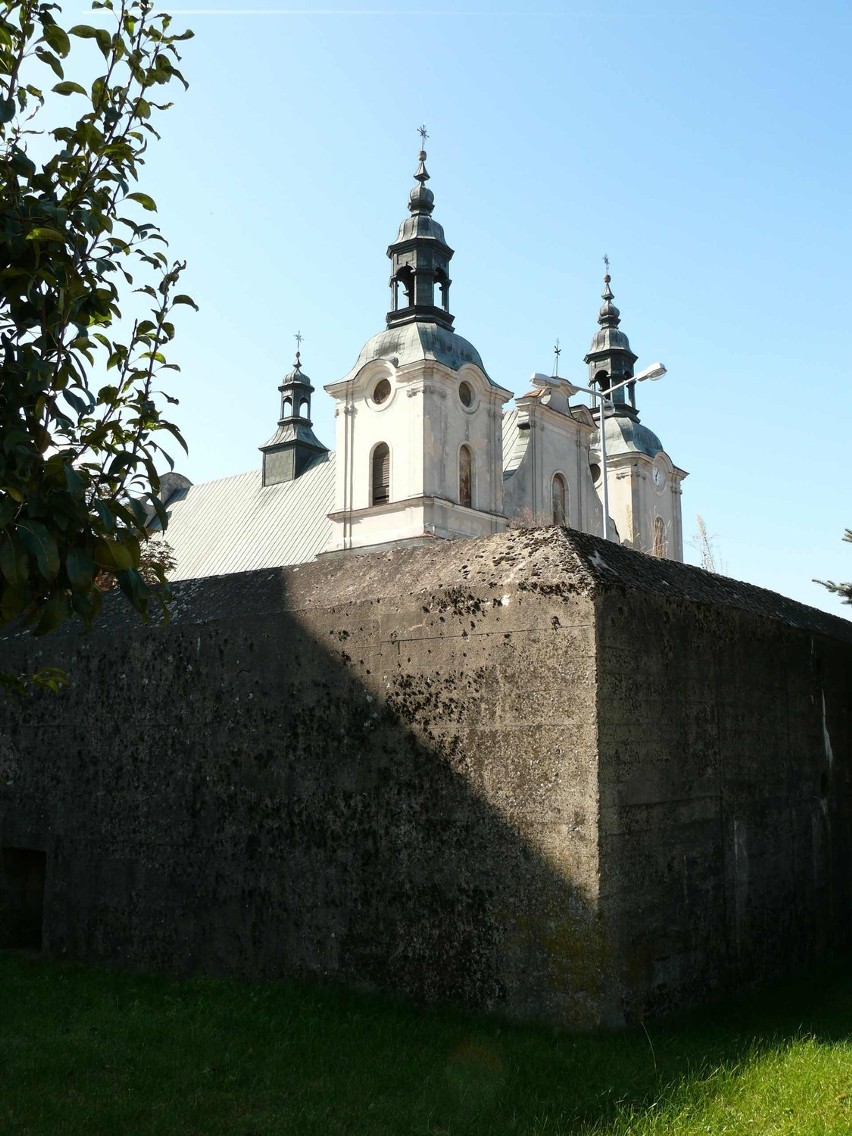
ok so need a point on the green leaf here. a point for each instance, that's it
(106, 517)
(53, 613)
(42, 233)
(13, 560)
(87, 604)
(136, 590)
(8, 509)
(73, 481)
(113, 556)
(58, 39)
(41, 546)
(80, 569)
(69, 88)
(104, 41)
(182, 299)
(53, 63)
(159, 509)
(7, 110)
(144, 200)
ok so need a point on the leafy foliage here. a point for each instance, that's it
(20, 685)
(842, 590)
(79, 454)
(156, 560)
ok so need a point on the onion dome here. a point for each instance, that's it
(421, 199)
(609, 317)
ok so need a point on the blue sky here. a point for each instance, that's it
(705, 148)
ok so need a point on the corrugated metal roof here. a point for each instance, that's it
(237, 525)
(514, 442)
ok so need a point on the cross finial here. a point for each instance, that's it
(421, 130)
(557, 351)
(606, 263)
(298, 337)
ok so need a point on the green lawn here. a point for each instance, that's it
(92, 1052)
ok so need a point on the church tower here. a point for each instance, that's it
(418, 420)
(643, 482)
(293, 446)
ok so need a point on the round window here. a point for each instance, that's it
(381, 391)
(466, 394)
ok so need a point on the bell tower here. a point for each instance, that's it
(420, 259)
(419, 421)
(643, 482)
(609, 358)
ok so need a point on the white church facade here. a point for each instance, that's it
(428, 447)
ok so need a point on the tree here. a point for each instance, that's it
(843, 590)
(81, 412)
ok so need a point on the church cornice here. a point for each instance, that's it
(411, 503)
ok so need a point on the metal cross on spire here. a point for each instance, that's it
(557, 351)
(421, 130)
(298, 337)
(606, 263)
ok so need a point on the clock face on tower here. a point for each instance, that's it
(658, 476)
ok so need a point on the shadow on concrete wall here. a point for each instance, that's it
(236, 796)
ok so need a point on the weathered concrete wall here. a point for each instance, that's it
(537, 772)
(378, 770)
(725, 759)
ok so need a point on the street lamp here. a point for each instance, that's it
(654, 372)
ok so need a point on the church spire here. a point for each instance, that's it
(293, 446)
(609, 359)
(420, 258)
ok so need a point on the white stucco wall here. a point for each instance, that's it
(557, 441)
(636, 500)
(424, 422)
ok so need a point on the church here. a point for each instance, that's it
(532, 771)
(429, 447)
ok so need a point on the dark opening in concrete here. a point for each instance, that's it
(21, 898)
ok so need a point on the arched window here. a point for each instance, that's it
(304, 408)
(559, 500)
(466, 477)
(405, 277)
(442, 290)
(380, 491)
(286, 407)
(659, 537)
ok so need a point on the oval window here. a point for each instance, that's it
(381, 391)
(466, 394)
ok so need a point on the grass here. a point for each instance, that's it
(94, 1052)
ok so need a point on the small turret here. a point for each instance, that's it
(293, 446)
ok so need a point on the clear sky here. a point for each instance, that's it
(704, 147)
